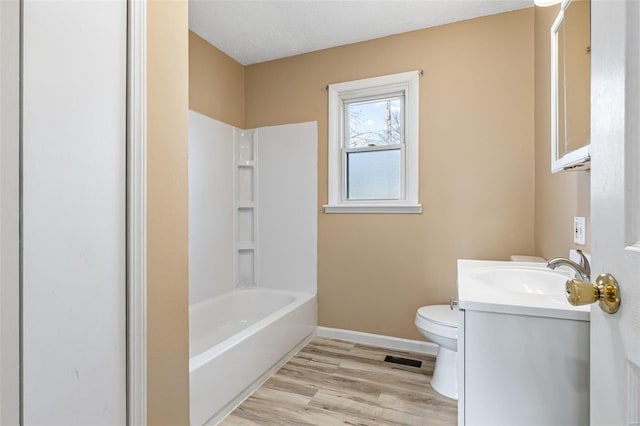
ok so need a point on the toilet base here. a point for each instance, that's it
(445, 373)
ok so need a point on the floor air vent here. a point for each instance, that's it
(403, 361)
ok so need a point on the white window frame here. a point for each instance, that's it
(405, 83)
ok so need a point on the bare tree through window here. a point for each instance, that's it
(375, 123)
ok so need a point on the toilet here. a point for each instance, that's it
(439, 323)
(530, 259)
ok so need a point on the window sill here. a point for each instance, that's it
(373, 208)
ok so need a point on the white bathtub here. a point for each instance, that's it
(237, 339)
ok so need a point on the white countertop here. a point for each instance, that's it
(475, 294)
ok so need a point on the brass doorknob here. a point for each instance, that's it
(605, 291)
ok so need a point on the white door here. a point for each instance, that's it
(74, 213)
(615, 210)
(9, 212)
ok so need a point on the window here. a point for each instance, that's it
(373, 145)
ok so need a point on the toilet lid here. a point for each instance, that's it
(440, 314)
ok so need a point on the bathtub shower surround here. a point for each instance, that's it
(252, 207)
(252, 257)
(211, 198)
(287, 207)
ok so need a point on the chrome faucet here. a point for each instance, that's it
(583, 268)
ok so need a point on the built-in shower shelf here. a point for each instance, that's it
(245, 222)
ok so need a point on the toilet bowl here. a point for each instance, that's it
(439, 323)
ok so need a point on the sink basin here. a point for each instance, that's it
(518, 288)
(523, 280)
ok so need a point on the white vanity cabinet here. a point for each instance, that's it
(523, 357)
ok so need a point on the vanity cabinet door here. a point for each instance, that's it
(525, 370)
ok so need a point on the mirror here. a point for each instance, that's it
(571, 87)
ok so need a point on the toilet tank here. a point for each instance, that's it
(521, 258)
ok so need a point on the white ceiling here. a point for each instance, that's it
(253, 31)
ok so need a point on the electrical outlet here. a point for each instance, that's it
(579, 230)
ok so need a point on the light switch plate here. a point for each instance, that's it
(579, 230)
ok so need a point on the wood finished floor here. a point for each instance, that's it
(333, 382)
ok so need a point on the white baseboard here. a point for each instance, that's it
(379, 340)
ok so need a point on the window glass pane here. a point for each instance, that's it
(374, 175)
(375, 122)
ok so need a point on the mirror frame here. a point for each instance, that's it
(580, 159)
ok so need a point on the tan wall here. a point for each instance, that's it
(476, 164)
(560, 196)
(216, 83)
(167, 203)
